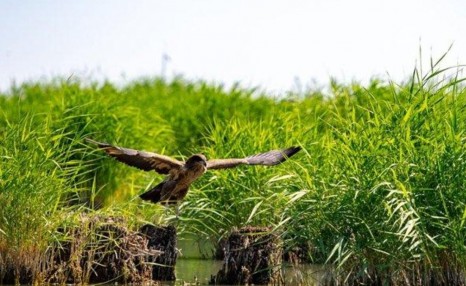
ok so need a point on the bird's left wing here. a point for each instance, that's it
(270, 158)
(146, 161)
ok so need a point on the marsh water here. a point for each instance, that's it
(195, 270)
(191, 268)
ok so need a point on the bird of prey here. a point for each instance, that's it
(181, 174)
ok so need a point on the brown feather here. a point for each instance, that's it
(181, 174)
(225, 163)
(146, 161)
(269, 158)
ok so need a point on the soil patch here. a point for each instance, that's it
(253, 255)
(103, 249)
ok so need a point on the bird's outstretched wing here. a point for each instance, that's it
(270, 158)
(146, 161)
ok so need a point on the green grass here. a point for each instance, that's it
(378, 190)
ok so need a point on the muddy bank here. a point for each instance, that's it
(163, 239)
(252, 255)
(102, 249)
(411, 273)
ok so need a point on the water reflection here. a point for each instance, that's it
(304, 274)
(199, 271)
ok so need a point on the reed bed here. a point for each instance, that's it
(378, 191)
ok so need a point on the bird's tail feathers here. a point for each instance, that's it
(154, 194)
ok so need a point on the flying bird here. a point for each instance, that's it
(181, 174)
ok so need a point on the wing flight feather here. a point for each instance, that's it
(225, 163)
(270, 158)
(143, 160)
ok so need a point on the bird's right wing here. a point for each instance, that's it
(146, 161)
(270, 158)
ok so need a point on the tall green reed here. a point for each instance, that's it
(378, 186)
(386, 193)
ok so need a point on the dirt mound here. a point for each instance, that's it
(253, 255)
(103, 249)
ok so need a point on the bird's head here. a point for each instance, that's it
(197, 159)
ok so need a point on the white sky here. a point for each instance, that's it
(258, 43)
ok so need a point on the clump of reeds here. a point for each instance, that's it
(378, 188)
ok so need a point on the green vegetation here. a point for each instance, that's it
(378, 191)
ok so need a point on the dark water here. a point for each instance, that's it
(199, 270)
